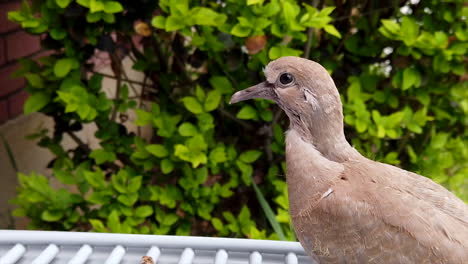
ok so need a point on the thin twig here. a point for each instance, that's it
(140, 103)
(143, 88)
(308, 45)
(364, 14)
(235, 119)
(277, 116)
(78, 141)
(269, 135)
(116, 66)
(310, 32)
(129, 84)
(114, 77)
(402, 143)
(230, 77)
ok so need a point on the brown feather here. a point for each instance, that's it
(346, 208)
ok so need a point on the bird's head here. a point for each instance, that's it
(304, 90)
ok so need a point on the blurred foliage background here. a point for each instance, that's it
(218, 170)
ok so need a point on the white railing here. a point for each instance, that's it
(42, 247)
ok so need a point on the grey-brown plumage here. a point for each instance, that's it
(346, 208)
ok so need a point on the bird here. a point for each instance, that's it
(344, 207)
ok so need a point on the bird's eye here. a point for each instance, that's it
(286, 78)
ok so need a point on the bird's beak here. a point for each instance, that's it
(262, 90)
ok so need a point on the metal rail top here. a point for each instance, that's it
(42, 247)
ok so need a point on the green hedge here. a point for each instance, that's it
(402, 74)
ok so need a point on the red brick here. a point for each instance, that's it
(2, 51)
(3, 111)
(20, 44)
(9, 84)
(16, 102)
(5, 24)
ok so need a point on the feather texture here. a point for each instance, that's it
(346, 208)
(375, 213)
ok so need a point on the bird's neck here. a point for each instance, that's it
(309, 173)
(327, 137)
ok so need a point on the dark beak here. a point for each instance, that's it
(262, 90)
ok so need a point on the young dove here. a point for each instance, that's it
(344, 207)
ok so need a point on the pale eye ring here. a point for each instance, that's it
(286, 78)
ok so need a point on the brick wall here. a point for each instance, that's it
(14, 44)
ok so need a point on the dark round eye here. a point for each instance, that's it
(286, 78)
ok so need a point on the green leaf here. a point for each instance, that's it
(95, 179)
(143, 117)
(159, 22)
(167, 166)
(36, 102)
(108, 18)
(278, 133)
(128, 199)
(266, 115)
(63, 3)
(192, 105)
(31, 23)
(200, 94)
(217, 224)
(102, 155)
(409, 30)
(63, 66)
(174, 23)
(326, 11)
(247, 112)
(246, 171)
(411, 77)
(97, 225)
(414, 128)
(244, 217)
(96, 6)
(113, 222)
(157, 150)
(93, 17)
(290, 12)
(392, 158)
(58, 33)
(439, 141)
(254, 2)
(112, 7)
(134, 184)
(250, 156)
(218, 155)
(330, 29)
(207, 17)
(268, 212)
(205, 121)
(281, 51)
(197, 143)
(221, 84)
(51, 215)
(98, 198)
(143, 211)
(119, 181)
(440, 63)
(187, 129)
(85, 3)
(195, 156)
(169, 219)
(392, 26)
(240, 31)
(212, 100)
